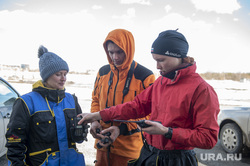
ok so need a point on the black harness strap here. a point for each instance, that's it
(128, 80)
(109, 83)
(125, 92)
(127, 83)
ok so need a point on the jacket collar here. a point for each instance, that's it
(51, 94)
(180, 73)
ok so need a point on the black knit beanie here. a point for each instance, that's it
(170, 43)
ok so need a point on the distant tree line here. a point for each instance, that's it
(225, 76)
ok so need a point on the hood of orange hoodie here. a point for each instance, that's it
(125, 40)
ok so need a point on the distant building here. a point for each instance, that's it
(25, 66)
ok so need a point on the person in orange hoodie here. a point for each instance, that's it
(116, 83)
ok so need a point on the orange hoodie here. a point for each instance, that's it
(129, 143)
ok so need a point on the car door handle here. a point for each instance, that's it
(7, 116)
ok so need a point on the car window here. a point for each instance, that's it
(7, 99)
(7, 95)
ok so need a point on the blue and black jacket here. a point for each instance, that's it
(40, 129)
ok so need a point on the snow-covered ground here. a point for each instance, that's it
(230, 94)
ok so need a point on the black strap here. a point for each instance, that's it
(124, 130)
(125, 92)
(128, 80)
(109, 83)
(127, 83)
(108, 154)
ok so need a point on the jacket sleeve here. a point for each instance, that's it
(205, 108)
(147, 79)
(16, 134)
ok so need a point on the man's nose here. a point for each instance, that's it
(115, 56)
(158, 66)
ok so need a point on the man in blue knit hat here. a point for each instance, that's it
(185, 104)
(42, 128)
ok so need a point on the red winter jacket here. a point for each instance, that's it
(188, 104)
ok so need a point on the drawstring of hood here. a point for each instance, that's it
(58, 99)
(52, 112)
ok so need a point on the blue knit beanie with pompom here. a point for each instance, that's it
(50, 63)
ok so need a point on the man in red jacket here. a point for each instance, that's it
(185, 104)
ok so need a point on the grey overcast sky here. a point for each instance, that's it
(218, 31)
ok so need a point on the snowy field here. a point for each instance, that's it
(230, 93)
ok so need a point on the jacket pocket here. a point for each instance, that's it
(70, 118)
(44, 127)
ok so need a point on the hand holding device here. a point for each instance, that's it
(104, 140)
(141, 123)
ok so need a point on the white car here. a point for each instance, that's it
(234, 132)
(8, 96)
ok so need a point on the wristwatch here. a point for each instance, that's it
(169, 133)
